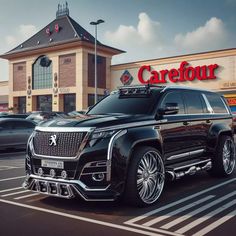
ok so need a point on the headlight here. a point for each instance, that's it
(97, 136)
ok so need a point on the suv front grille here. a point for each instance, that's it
(67, 143)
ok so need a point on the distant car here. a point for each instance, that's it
(23, 116)
(14, 132)
(77, 113)
(3, 114)
(40, 116)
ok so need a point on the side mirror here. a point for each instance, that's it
(169, 109)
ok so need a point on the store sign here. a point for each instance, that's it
(3, 107)
(146, 75)
(228, 84)
(231, 101)
(126, 78)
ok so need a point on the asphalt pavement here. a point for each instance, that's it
(194, 205)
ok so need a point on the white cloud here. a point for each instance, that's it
(145, 37)
(23, 32)
(212, 35)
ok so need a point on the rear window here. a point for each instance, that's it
(216, 103)
(193, 102)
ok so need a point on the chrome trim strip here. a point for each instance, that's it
(185, 154)
(178, 156)
(209, 108)
(192, 164)
(109, 151)
(227, 108)
(64, 129)
(76, 182)
(196, 152)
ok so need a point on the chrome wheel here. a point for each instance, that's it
(228, 156)
(150, 177)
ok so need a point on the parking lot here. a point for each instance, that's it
(195, 205)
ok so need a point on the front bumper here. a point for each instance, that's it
(68, 188)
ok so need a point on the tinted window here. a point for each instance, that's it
(115, 103)
(193, 102)
(216, 103)
(6, 124)
(23, 125)
(174, 97)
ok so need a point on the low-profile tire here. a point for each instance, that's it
(223, 162)
(145, 177)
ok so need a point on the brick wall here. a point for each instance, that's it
(101, 71)
(67, 71)
(19, 76)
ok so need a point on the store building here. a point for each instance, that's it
(54, 69)
(214, 71)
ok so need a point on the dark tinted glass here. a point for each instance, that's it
(174, 97)
(193, 102)
(23, 125)
(115, 103)
(216, 103)
(6, 124)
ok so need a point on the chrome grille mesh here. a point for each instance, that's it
(68, 143)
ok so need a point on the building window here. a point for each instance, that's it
(42, 73)
(69, 102)
(21, 104)
(44, 103)
(101, 71)
(91, 99)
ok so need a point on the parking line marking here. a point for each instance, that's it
(131, 221)
(195, 212)
(98, 222)
(25, 196)
(179, 210)
(10, 194)
(205, 217)
(19, 177)
(9, 189)
(215, 224)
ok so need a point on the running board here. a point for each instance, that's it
(176, 172)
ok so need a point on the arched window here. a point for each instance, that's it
(42, 73)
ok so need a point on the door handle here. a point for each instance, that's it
(208, 121)
(186, 123)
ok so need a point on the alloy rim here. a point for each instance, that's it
(229, 156)
(150, 177)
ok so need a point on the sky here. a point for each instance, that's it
(145, 29)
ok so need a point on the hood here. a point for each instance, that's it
(96, 121)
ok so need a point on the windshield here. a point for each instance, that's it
(115, 103)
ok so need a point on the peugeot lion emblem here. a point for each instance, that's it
(53, 140)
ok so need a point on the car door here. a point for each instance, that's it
(198, 122)
(175, 135)
(22, 130)
(6, 133)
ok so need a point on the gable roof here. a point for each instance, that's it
(69, 31)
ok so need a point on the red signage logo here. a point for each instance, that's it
(126, 78)
(184, 73)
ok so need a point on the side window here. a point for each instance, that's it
(216, 103)
(6, 125)
(23, 125)
(174, 97)
(193, 102)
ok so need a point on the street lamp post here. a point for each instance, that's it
(95, 23)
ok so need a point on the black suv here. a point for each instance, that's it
(130, 142)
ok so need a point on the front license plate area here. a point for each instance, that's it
(52, 164)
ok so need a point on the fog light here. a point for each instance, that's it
(40, 171)
(52, 173)
(98, 177)
(64, 174)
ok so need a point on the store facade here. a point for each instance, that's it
(54, 69)
(215, 71)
